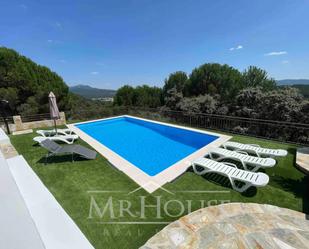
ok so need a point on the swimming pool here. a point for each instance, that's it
(146, 146)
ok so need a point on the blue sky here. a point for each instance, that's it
(111, 43)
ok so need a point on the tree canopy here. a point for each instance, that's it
(257, 77)
(125, 96)
(212, 79)
(144, 96)
(175, 80)
(209, 88)
(282, 104)
(26, 84)
(221, 89)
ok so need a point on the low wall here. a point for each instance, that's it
(19, 125)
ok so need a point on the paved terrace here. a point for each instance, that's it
(233, 226)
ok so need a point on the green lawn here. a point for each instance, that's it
(70, 183)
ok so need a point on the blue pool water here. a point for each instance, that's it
(149, 146)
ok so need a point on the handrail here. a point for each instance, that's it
(292, 132)
(296, 133)
(226, 116)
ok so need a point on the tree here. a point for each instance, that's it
(175, 80)
(279, 104)
(125, 96)
(29, 108)
(144, 95)
(200, 104)
(10, 94)
(24, 82)
(303, 115)
(147, 96)
(212, 79)
(172, 98)
(257, 77)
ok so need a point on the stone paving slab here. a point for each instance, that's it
(302, 159)
(235, 225)
(23, 132)
(8, 151)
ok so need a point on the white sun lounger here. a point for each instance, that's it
(232, 172)
(255, 149)
(48, 133)
(219, 154)
(69, 139)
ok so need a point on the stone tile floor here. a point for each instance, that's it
(235, 226)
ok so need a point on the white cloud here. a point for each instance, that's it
(285, 62)
(100, 64)
(58, 25)
(236, 48)
(276, 53)
(94, 73)
(56, 42)
(63, 61)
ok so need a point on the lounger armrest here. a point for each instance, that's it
(230, 164)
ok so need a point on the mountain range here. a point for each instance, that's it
(288, 82)
(91, 92)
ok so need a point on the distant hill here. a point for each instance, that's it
(301, 84)
(91, 92)
(289, 82)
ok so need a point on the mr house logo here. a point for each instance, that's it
(137, 207)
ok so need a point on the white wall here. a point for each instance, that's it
(4, 139)
(17, 229)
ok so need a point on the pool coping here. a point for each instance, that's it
(149, 183)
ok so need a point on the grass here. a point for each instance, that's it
(70, 183)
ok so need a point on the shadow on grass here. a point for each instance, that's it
(292, 151)
(299, 187)
(250, 192)
(37, 145)
(61, 159)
